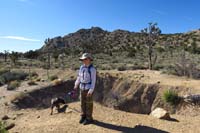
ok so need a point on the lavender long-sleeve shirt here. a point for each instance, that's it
(84, 77)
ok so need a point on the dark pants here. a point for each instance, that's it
(86, 105)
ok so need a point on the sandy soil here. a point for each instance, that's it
(106, 119)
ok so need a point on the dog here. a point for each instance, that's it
(56, 102)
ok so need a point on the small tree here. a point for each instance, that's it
(14, 57)
(5, 55)
(47, 42)
(55, 55)
(151, 34)
(61, 60)
(31, 54)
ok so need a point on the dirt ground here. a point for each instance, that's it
(106, 119)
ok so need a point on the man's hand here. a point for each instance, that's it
(89, 94)
(75, 88)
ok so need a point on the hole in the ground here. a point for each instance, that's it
(42, 98)
(110, 91)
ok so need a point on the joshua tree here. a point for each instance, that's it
(47, 42)
(61, 59)
(48, 52)
(5, 55)
(55, 55)
(151, 34)
(14, 57)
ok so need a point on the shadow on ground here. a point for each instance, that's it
(62, 109)
(124, 129)
(172, 120)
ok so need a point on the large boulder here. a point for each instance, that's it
(160, 113)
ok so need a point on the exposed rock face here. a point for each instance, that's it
(83, 39)
(160, 113)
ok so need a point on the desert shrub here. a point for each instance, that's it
(2, 127)
(2, 71)
(115, 61)
(31, 82)
(76, 67)
(33, 74)
(11, 76)
(121, 68)
(103, 67)
(106, 68)
(169, 70)
(53, 77)
(13, 85)
(171, 97)
(38, 79)
(137, 67)
(158, 67)
(2, 81)
(189, 70)
(56, 66)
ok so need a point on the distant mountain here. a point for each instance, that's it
(98, 40)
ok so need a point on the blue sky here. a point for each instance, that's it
(25, 24)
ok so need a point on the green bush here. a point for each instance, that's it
(171, 97)
(158, 67)
(104, 67)
(53, 77)
(13, 85)
(2, 128)
(2, 71)
(121, 68)
(138, 67)
(2, 81)
(11, 76)
(115, 61)
(33, 74)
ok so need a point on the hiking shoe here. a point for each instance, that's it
(86, 122)
(82, 119)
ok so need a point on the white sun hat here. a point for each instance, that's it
(86, 56)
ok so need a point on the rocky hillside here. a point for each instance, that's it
(98, 40)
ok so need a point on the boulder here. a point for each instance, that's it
(160, 113)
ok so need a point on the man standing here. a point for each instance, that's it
(86, 82)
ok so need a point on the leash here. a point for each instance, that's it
(76, 110)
